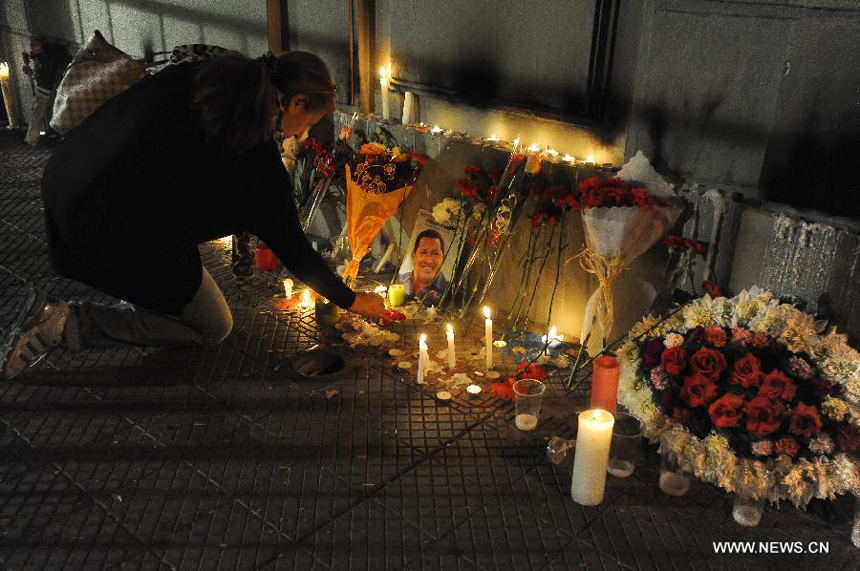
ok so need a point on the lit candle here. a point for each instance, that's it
(436, 130)
(396, 295)
(533, 160)
(593, 438)
(8, 97)
(306, 299)
(569, 159)
(452, 355)
(422, 358)
(492, 138)
(406, 118)
(551, 155)
(488, 332)
(604, 383)
(288, 288)
(384, 82)
(552, 339)
(589, 159)
(380, 289)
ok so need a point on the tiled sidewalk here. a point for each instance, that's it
(215, 459)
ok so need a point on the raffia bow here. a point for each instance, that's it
(606, 271)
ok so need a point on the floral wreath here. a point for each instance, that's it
(732, 421)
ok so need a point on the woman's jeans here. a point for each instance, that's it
(205, 320)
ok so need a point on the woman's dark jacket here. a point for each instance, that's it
(132, 191)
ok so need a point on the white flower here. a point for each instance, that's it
(447, 211)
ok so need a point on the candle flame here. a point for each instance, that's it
(4, 71)
(306, 297)
(590, 159)
(568, 158)
(450, 328)
(533, 148)
(516, 143)
(436, 129)
(552, 152)
(486, 312)
(382, 72)
(492, 138)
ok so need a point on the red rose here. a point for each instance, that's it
(746, 371)
(846, 437)
(787, 445)
(674, 360)
(708, 362)
(805, 420)
(727, 411)
(716, 336)
(653, 351)
(698, 390)
(762, 416)
(777, 386)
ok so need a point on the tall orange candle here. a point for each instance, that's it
(604, 383)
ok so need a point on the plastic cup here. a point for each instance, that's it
(626, 438)
(527, 398)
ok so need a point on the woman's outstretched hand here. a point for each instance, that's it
(371, 306)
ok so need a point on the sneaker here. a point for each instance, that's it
(36, 329)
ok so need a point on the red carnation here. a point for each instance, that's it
(787, 445)
(708, 362)
(805, 420)
(715, 336)
(746, 371)
(673, 242)
(760, 340)
(727, 411)
(763, 416)
(643, 199)
(712, 289)
(846, 437)
(698, 390)
(674, 360)
(777, 386)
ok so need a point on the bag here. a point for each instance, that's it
(99, 72)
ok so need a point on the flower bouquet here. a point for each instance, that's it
(622, 216)
(377, 183)
(753, 392)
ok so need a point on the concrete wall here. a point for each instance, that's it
(134, 26)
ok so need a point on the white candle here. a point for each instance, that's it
(384, 82)
(422, 358)
(552, 339)
(452, 355)
(406, 118)
(593, 438)
(306, 299)
(288, 288)
(384, 258)
(488, 333)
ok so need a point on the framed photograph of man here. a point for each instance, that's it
(430, 259)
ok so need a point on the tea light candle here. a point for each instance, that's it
(533, 160)
(473, 390)
(396, 295)
(452, 355)
(604, 383)
(436, 130)
(552, 339)
(384, 82)
(288, 288)
(591, 457)
(422, 358)
(492, 138)
(488, 333)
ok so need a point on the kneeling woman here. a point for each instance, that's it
(181, 158)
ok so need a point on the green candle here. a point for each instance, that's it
(396, 295)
